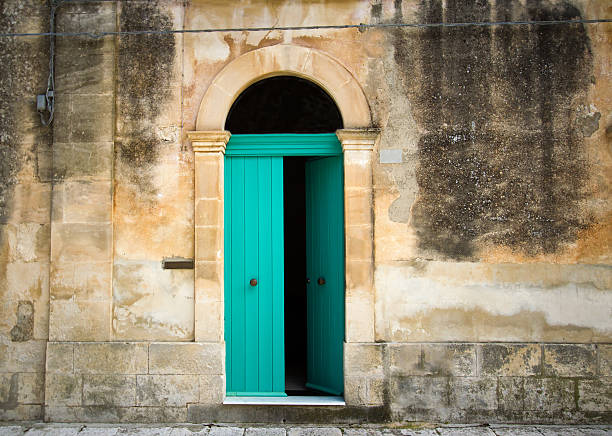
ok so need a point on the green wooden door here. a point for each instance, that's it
(254, 249)
(254, 324)
(325, 269)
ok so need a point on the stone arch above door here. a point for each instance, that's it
(278, 60)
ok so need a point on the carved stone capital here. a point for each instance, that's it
(213, 141)
(358, 139)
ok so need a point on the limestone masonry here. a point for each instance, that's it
(477, 207)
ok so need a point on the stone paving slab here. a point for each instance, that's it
(40, 429)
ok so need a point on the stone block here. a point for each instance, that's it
(167, 390)
(109, 414)
(358, 206)
(449, 359)
(511, 393)
(18, 357)
(208, 169)
(359, 275)
(208, 212)
(359, 243)
(26, 281)
(109, 390)
(209, 280)
(59, 358)
(83, 281)
(28, 242)
(549, 394)
(212, 389)
(88, 70)
(186, 358)
(81, 242)
(82, 160)
(208, 244)
(364, 390)
(474, 393)
(405, 359)
(510, 359)
(226, 431)
(31, 203)
(79, 320)
(8, 388)
(110, 358)
(357, 173)
(63, 390)
(359, 315)
(12, 430)
(150, 302)
(91, 119)
(570, 360)
(265, 431)
(209, 321)
(432, 359)
(22, 412)
(314, 431)
(595, 395)
(465, 431)
(31, 388)
(363, 359)
(418, 393)
(605, 360)
(87, 202)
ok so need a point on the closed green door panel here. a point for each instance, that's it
(254, 330)
(325, 261)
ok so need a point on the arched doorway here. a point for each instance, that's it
(357, 139)
(284, 241)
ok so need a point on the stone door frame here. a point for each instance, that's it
(358, 141)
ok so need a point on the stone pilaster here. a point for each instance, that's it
(357, 145)
(209, 149)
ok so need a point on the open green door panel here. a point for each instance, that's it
(325, 268)
(254, 262)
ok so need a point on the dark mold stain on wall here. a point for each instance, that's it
(24, 328)
(145, 68)
(502, 159)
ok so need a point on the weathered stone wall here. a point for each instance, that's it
(131, 381)
(25, 194)
(492, 275)
(81, 221)
(153, 214)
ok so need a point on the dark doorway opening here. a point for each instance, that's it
(283, 104)
(295, 275)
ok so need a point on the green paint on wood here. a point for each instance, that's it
(323, 144)
(254, 330)
(325, 261)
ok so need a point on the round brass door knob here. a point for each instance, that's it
(253, 282)
(321, 281)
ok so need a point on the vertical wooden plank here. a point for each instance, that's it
(278, 275)
(238, 273)
(227, 268)
(251, 261)
(265, 285)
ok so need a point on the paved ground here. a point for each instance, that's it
(220, 430)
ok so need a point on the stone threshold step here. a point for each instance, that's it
(287, 401)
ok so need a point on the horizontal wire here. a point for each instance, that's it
(361, 26)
